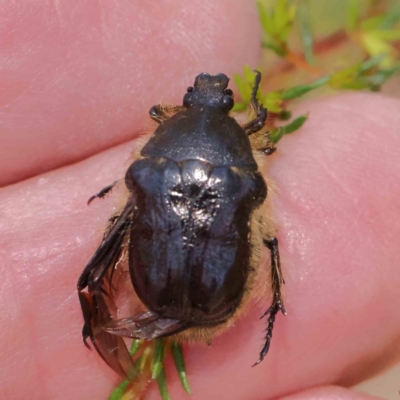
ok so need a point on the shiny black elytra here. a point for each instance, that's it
(186, 225)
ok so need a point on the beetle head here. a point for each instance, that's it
(211, 91)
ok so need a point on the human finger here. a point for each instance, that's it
(339, 247)
(329, 393)
(80, 76)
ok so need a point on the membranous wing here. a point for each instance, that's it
(98, 306)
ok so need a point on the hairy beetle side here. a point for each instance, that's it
(186, 225)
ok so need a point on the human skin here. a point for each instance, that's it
(336, 206)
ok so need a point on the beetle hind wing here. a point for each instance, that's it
(147, 325)
(110, 347)
(108, 252)
(98, 306)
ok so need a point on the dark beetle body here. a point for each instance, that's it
(192, 195)
(195, 192)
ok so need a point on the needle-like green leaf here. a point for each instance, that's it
(353, 10)
(295, 124)
(391, 18)
(158, 358)
(284, 115)
(119, 391)
(278, 50)
(162, 384)
(135, 346)
(299, 90)
(276, 134)
(264, 19)
(372, 23)
(277, 22)
(382, 76)
(370, 63)
(389, 35)
(243, 88)
(273, 102)
(306, 35)
(180, 365)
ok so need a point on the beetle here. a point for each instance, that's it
(187, 227)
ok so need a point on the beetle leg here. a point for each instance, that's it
(261, 113)
(111, 222)
(102, 192)
(85, 306)
(277, 301)
(160, 113)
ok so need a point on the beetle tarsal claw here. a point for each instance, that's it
(85, 342)
(274, 308)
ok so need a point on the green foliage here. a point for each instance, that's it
(180, 366)
(155, 351)
(276, 134)
(285, 115)
(377, 35)
(391, 18)
(306, 34)
(353, 11)
(162, 384)
(119, 391)
(243, 83)
(363, 75)
(135, 346)
(158, 359)
(300, 90)
(277, 23)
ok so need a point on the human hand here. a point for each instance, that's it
(82, 80)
